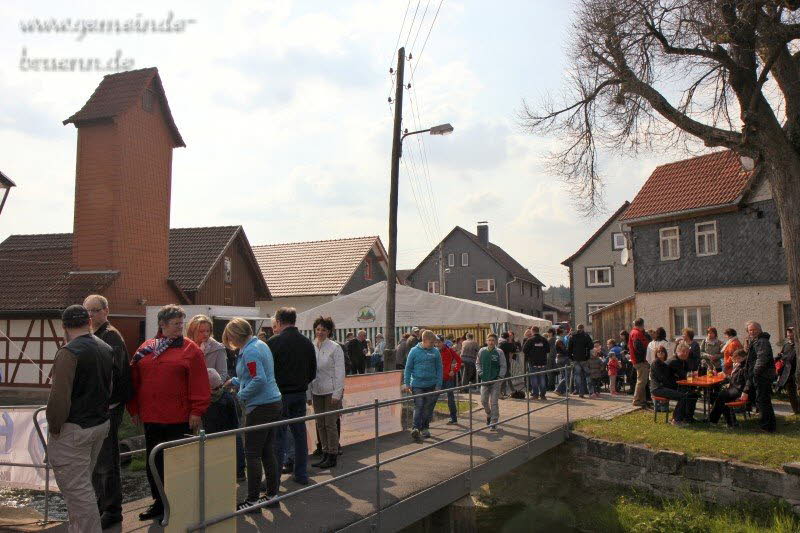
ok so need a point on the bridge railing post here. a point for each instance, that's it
(569, 391)
(528, 402)
(377, 471)
(471, 461)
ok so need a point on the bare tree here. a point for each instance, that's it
(648, 73)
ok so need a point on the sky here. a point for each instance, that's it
(283, 107)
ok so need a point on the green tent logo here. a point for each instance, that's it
(366, 314)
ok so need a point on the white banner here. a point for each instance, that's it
(19, 443)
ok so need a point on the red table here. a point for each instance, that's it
(706, 383)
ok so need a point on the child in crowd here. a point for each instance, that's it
(423, 373)
(596, 370)
(491, 365)
(613, 366)
(221, 412)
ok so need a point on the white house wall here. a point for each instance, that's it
(40, 347)
(301, 303)
(731, 307)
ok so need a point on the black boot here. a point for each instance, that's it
(322, 461)
(330, 462)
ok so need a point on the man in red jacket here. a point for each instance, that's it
(637, 347)
(451, 364)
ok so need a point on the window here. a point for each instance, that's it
(522, 288)
(591, 308)
(670, 243)
(484, 285)
(465, 259)
(433, 286)
(451, 260)
(227, 270)
(705, 235)
(598, 276)
(695, 318)
(147, 100)
(786, 318)
(368, 268)
(617, 241)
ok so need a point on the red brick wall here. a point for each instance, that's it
(124, 175)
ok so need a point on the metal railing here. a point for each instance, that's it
(204, 522)
(376, 405)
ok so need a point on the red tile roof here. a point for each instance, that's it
(715, 179)
(118, 92)
(312, 268)
(36, 272)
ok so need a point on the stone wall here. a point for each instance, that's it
(670, 474)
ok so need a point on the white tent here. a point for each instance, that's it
(366, 309)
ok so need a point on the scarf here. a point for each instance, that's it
(156, 347)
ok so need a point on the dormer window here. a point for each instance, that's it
(147, 100)
(368, 268)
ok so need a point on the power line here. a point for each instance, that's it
(421, 23)
(419, 56)
(412, 23)
(394, 50)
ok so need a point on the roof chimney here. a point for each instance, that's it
(483, 233)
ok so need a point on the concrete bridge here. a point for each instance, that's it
(413, 487)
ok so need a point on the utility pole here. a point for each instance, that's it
(441, 269)
(389, 360)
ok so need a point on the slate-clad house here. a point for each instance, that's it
(304, 275)
(597, 276)
(707, 248)
(121, 245)
(481, 271)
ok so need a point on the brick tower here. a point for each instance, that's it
(123, 179)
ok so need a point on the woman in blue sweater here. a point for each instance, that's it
(423, 373)
(258, 391)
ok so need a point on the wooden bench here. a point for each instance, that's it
(660, 400)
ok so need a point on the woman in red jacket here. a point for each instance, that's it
(451, 363)
(171, 392)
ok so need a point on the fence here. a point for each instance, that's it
(378, 463)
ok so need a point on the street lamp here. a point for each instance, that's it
(5, 186)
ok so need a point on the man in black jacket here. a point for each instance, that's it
(760, 375)
(536, 350)
(295, 367)
(106, 476)
(580, 348)
(356, 348)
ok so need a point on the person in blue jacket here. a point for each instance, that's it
(423, 373)
(258, 391)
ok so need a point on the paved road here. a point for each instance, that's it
(344, 502)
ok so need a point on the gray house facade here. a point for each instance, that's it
(478, 270)
(597, 276)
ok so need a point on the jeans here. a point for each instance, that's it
(106, 475)
(73, 455)
(720, 409)
(259, 450)
(538, 382)
(294, 405)
(581, 370)
(470, 373)
(764, 403)
(490, 394)
(451, 398)
(155, 434)
(423, 407)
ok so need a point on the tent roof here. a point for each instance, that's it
(367, 309)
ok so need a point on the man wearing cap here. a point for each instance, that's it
(77, 416)
(106, 475)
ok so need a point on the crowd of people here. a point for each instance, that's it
(184, 379)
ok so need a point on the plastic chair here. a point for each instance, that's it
(738, 406)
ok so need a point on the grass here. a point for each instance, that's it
(127, 428)
(745, 443)
(636, 512)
